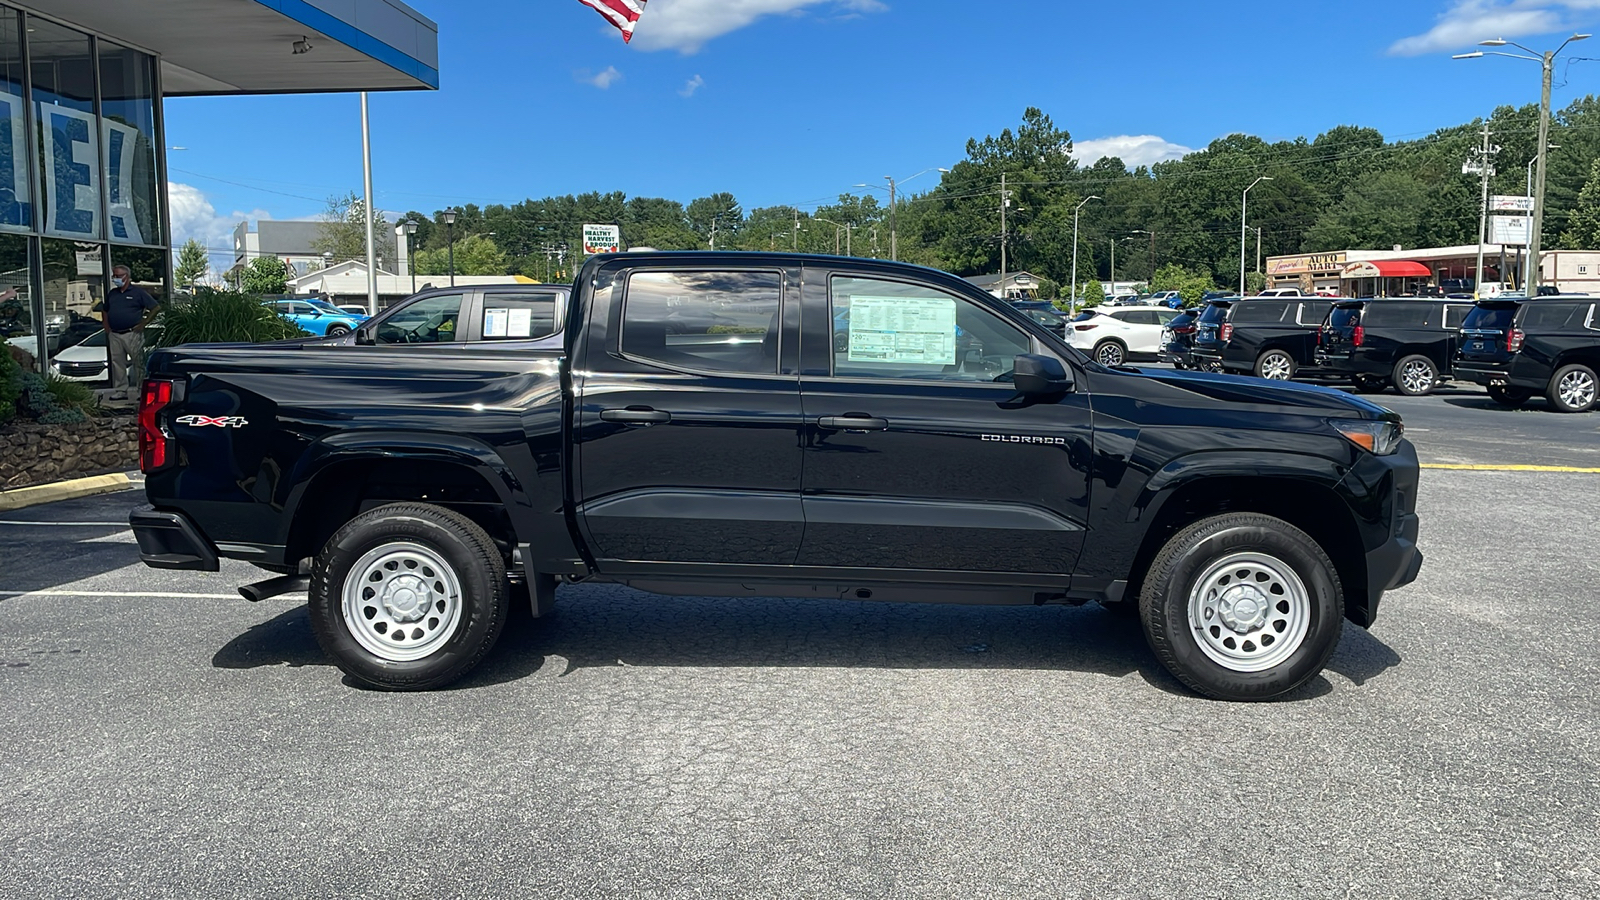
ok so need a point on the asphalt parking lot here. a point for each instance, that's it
(161, 737)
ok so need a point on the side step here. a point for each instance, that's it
(272, 587)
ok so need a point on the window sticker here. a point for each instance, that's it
(521, 324)
(903, 330)
(495, 322)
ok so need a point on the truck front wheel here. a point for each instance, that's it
(1242, 606)
(408, 596)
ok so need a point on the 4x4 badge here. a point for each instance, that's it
(219, 421)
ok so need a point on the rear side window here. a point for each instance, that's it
(1381, 313)
(1454, 316)
(1552, 316)
(518, 317)
(1259, 313)
(711, 321)
(1490, 318)
(1137, 317)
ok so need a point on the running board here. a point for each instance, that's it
(272, 587)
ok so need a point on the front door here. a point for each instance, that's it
(918, 453)
(688, 425)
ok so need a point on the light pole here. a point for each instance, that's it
(1244, 200)
(411, 253)
(449, 217)
(1152, 236)
(1079, 208)
(1114, 242)
(894, 243)
(1546, 62)
(836, 228)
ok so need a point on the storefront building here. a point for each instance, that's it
(1431, 270)
(82, 145)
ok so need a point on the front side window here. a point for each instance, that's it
(890, 329)
(431, 320)
(709, 321)
(518, 317)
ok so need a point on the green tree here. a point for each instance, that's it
(1255, 282)
(475, 255)
(265, 275)
(343, 232)
(1583, 229)
(192, 263)
(1191, 284)
(1091, 290)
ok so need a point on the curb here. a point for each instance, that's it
(17, 498)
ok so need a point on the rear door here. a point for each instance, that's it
(687, 426)
(1484, 332)
(918, 453)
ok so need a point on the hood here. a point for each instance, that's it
(1247, 389)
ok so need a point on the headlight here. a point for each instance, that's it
(1380, 438)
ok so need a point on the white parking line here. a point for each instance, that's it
(119, 594)
(71, 524)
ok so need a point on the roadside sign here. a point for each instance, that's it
(1508, 230)
(1510, 203)
(602, 238)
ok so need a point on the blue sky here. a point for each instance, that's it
(792, 102)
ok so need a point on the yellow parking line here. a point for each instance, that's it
(1473, 467)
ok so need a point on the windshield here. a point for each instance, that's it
(326, 307)
(1490, 318)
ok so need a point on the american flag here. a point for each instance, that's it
(622, 13)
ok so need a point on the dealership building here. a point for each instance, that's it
(1399, 272)
(83, 169)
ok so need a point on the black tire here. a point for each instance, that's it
(1204, 552)
(462, 608)
(337, 330)
(1110, 353)
(1509, 396)
(1415, 376)
(1276, 365)
(1573, 389)
(1370, 384)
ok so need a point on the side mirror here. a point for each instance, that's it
(365, 336)
(1035, 375)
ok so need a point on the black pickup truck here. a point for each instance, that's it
(754, 424)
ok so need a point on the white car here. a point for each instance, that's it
(1111, 336)
(84, 361)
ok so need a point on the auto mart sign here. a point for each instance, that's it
(1310, 262)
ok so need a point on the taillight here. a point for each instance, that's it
(1183, 329)
(154, 445)
(1084, 327)
(1357, 335)
(1514, 339)
(1225, 333)
(1319, 335)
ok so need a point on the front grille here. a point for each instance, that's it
(81, 370)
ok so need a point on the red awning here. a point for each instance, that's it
(1389, 268)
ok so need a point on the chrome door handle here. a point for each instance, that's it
(853, 423)
(636, 416)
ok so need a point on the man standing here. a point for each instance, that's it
(127, 309)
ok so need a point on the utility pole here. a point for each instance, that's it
(1480, 165)
(1073, 304)
(796, 230)
(894, 222)
(1537, 225)
(368, 214)
(1005, 200)
(1258, 249)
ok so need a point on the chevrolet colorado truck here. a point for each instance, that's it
(758, 425)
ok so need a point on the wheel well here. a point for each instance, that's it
(1310, 507)
(345, 489)
(1587, 356)
(1414, 350)
(1112, 340)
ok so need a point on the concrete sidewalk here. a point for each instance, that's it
(33, 495)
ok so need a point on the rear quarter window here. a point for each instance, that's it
(1258, 313)
(1552, 316)
(1380, 313)
(1490, 318)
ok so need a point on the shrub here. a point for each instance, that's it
(38, 402)
(212, 316)
(10, 388)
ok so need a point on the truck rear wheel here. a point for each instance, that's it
(1242, 606)
(1572, 389)
(1415, 375)
(408, 596)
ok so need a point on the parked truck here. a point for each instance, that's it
(695, 423)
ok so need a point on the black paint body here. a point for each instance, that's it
(1261, 324)
(589, 464)
(1391, 331)
(1557, 331)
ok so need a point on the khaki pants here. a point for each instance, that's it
(127, 359)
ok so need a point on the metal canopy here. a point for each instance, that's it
(246, 46)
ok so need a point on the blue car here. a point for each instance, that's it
(318, 316)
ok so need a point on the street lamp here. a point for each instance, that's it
(1079, 208)
(1152, 235)
(449, 217)
(1114, 242)
(411, 252)
(894, 244)
(836, 227)
(1546, 61)
(1244, 200)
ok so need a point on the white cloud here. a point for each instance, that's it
(1132, 149)
(1469, 21)
(602, 80)
(692, 85)
(193, 216)
(686, 25)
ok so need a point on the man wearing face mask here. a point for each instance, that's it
(127, 310)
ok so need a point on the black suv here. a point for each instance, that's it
(1519, 348)
(1270, 337)
(1177, 340)
(1410, 344)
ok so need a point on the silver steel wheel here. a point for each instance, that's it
(1276, 366)
(1109, 354)
(1249, 611)
(1417, 377)
(1576, 389)
(402, 601)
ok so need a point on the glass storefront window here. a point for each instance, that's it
(74, 281)
(128, 123)
(16, 299)
(147, 267)
(69, 135)
(16, 210)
